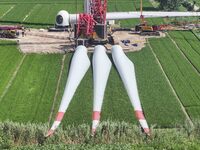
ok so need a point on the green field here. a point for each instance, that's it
(9, 60)
(189, 45)
(149, 77)
(180, 72)
(167, 71)
(35, 84)
(4, 9)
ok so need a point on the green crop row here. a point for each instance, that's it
(189, 45)
(4, 9)
(9, 60)
(46, 13)
(194, 112)
(18, 13)
(180, 72)
(192, 39)
(30, 97)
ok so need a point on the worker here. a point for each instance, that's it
(17, 33)
(23, 33)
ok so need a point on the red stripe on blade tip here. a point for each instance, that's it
(96, 115)
(147, 131)
(50, 132)
(59, 116)
(139, 114)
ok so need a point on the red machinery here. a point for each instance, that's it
(86, 24)
(98, 10)
(93, 24)
(5, 27)
(9, 31)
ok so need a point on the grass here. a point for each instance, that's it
(46, 13)
(4, 9)
(189, 45)
(110, 135)
(9, 60)
(179, 71)
(30, 97)
(18, 13)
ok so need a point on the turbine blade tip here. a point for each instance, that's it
(50, 133)
(93, 132)
(147, 131)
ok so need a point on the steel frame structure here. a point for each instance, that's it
(85, 24)
(87, 21)
(99, 10)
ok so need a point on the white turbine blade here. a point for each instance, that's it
(79, 65)
(136, 14)
(101, 69)
(127, 73)
(148, 14)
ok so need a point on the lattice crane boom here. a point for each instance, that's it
(97, 15)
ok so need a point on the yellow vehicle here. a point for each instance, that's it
(143, 28)
(8, 34)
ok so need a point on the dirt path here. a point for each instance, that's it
(12, 78)
(187, 59)
(57, 89)
(173, 90)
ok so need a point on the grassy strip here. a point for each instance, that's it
(154, 92)
(194, 112)
(180, 72)
(124, 135)
(9, 59)
(192, 39)
(30, 97)
(188, 45)
(46, 13)
(4, 9)
(18, 13)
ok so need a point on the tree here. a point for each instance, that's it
(170, 4)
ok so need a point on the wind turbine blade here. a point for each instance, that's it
(127, 73)
(101, 69)
(79, 65)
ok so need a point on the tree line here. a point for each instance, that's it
(175, 4)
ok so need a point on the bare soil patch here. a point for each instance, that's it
(42, 41)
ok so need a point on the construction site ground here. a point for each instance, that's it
(43, 42)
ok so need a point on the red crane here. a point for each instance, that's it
(87, 22)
